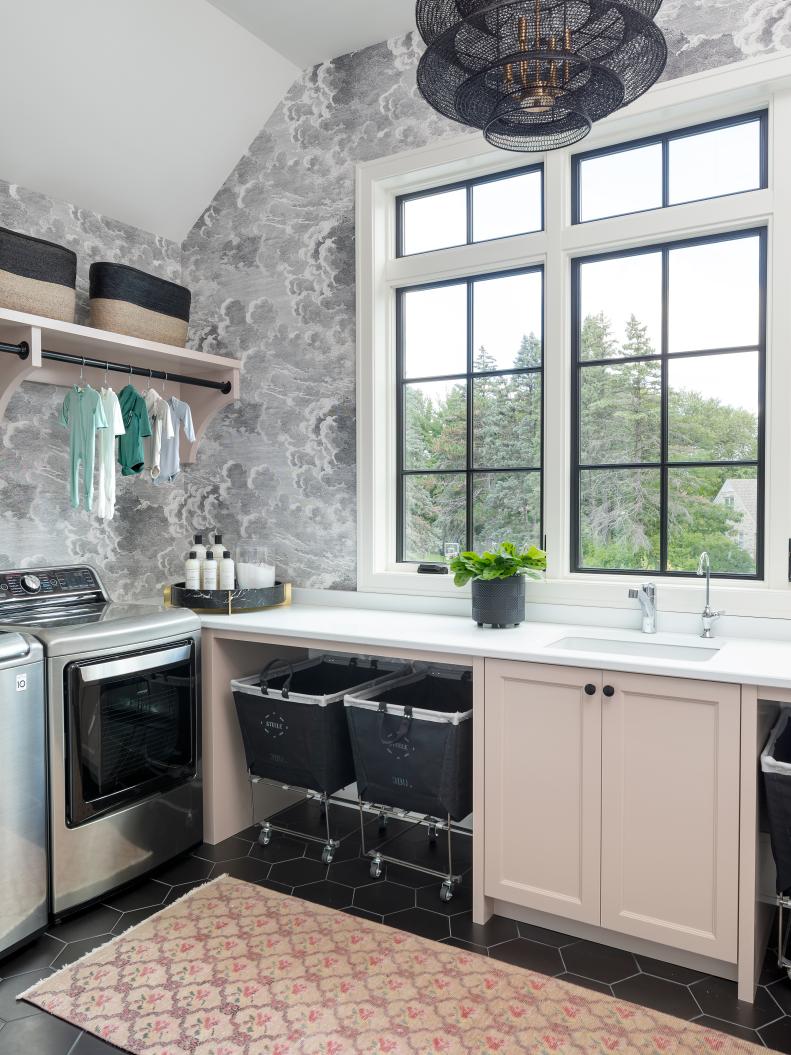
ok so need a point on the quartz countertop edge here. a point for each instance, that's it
(739, 660)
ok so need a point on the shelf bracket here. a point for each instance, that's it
(13, 368)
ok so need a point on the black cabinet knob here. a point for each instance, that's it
(608, 690)
(590, 689)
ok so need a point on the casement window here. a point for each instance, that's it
(588, 352)
(470, 365)
(668, 395)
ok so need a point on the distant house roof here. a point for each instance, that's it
(745, 493)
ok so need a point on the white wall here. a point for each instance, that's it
(138, 110)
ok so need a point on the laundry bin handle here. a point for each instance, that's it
(263, 680)
(395, 735)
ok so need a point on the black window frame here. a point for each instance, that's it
(469, 185)
(664, 139)
(470, 470)
(664, 357)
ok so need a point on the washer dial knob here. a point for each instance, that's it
(31, 583)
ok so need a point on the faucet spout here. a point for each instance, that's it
(708, 615)
(646, 595)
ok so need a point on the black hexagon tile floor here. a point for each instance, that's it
(400, 898)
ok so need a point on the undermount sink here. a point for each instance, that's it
(655, 649)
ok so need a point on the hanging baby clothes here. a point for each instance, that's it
(105, 502)
(170, 461)
(162, 429)
(82, 414)
(131, 456)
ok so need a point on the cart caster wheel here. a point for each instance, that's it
(265, 837)
(446, 891)
(376, 869)
(327, 854)
(383, 819)
(432, 833)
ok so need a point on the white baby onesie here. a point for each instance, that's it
(105, 502)
(170, 461)
(161, 428)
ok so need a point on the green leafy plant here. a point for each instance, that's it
(501, 563)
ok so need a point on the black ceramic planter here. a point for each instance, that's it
(498, 602)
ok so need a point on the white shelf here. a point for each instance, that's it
(70, 339)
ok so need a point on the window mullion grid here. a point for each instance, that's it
(665, 172)
(664, 414)
(400, 425)
(470, 397)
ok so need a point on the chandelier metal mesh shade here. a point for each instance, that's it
(536, 74)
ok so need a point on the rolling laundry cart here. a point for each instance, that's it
(776, 770)
(295, 735)
(412, 745)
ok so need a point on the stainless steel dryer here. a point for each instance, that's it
(123, 707)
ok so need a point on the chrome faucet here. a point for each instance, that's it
(646, 595)
(708, 615)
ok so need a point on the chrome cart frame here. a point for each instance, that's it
(783, 930)
(267, 828)
(450, 879)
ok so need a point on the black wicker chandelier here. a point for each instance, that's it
(536, 74)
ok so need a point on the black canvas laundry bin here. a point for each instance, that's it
(412, 742)
(776, 772)
(292, 721)
(126, 300)
(36, 276)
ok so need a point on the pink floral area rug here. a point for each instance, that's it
(234, 969)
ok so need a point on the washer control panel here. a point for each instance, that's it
(18, 585)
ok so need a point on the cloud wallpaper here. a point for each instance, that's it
(271, 266)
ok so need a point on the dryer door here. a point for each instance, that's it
(131, 728)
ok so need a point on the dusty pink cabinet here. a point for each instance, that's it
(543, 788)
(613, 799)
(670, 811)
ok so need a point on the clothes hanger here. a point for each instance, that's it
(82, 372)
(106, 374)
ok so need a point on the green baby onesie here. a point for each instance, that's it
(131, 456)
(82, 414)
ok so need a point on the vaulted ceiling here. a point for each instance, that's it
(139, 109)
(309, 31)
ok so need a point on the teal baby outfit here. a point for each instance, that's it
(82, 414)
(131, 455)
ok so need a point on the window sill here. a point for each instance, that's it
(674, 595)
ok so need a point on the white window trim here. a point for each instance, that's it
(739, 88)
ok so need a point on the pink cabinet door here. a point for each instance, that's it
(670, 811)
(543, 787)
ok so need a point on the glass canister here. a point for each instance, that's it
(253, 567)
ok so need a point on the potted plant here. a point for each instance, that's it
(498, 581)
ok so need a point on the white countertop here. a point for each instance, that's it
(741, 660)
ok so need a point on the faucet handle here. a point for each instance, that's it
(645, 589)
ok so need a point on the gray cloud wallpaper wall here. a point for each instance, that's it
(271, 266)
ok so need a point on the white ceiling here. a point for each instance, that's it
(137, 109)
(309, 31)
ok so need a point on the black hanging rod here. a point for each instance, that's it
(23, 351)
